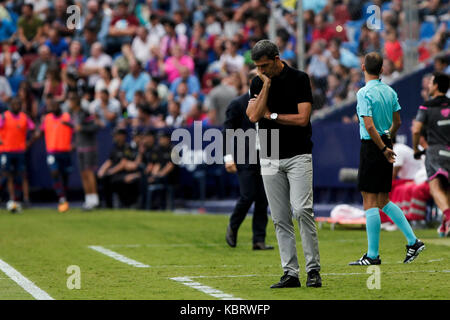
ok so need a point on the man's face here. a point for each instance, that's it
(15, 107)
(432, 87)
(267, 66)
(119, 139)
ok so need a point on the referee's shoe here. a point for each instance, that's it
(366, 261)
(413, 251)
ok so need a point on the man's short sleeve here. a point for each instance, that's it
(364, 107)
(396, 106)
(422, 114)
(304, 93)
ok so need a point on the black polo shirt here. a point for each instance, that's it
(434, 114)
(286, 91)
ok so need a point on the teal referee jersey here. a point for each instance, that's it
(377, 100)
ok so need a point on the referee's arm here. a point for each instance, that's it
(370, 127)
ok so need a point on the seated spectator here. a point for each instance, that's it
(132, 108)
(113, 171)
(155, 29)
(337, 90)
(11, 63)
(144, 118)
(157, 110)
(318, 67)
(338, 55)
(164, 171)
(95, 63)
(441, 64)
(142, 44)
(187, 101)
(192, 81)
(133, 81)
(174, 117)
(58, 45)
(106, 109)
(121, 64)
(389, 73)
(5, 93)
(180, 27)
(321, 29)
(29, 30)
(356, 83)
(230, 61)
(393, 49)
(213, 27)
(196, 114)
(172, 39)
(53, 85)
(218, 99)
(284, 46)
(93, 16)
(122, 28)
(155, 66)
(174, 63)
(74, 62)
(7, 30)
(107, 81)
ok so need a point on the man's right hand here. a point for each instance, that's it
(265, 79)
(230, 167)
(390, 155)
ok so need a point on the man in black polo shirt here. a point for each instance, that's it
(434, 116)
(281, 100)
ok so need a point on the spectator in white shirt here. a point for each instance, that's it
(106, 109)
(230, 60)
(142, 45)
(97, 61)
(107, 81)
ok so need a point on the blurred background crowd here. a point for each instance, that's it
(145, 65)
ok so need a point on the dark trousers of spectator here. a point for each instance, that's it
(127, 192)
(251, 189)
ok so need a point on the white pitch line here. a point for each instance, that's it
(205, 289)
(119, 257)
(26, 284)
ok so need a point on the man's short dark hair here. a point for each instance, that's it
(373, 62)
(442, 81)
(265, 48)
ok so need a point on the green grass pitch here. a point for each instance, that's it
(41, 244)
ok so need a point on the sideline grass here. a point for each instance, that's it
(41, 244)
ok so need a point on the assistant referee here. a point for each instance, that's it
(379, 119)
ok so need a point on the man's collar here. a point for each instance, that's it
(373, 82)
(283, 72)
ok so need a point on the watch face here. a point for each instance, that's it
(274, 116)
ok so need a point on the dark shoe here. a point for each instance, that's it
(261, 246)
(314, 279)
(287, 281)
(231, 237)
(413, 251)
(366, 261)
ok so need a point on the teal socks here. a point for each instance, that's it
(373, 226)
(397, 216)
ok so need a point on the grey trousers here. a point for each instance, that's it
(288, 185)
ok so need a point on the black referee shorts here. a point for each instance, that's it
(375, 171)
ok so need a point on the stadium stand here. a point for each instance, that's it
(146, 44)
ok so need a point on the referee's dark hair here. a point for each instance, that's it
(265, 48)
(442, 81)
(373, 62)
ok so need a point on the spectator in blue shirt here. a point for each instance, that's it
(192, 81)
(56, 44)
(133, 81)
(6, 30)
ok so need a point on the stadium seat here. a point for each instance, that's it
(354, 29)
(427, 30)
(351, 46)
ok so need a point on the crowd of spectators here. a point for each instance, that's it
(144, 64)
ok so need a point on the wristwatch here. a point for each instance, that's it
(274, 116)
